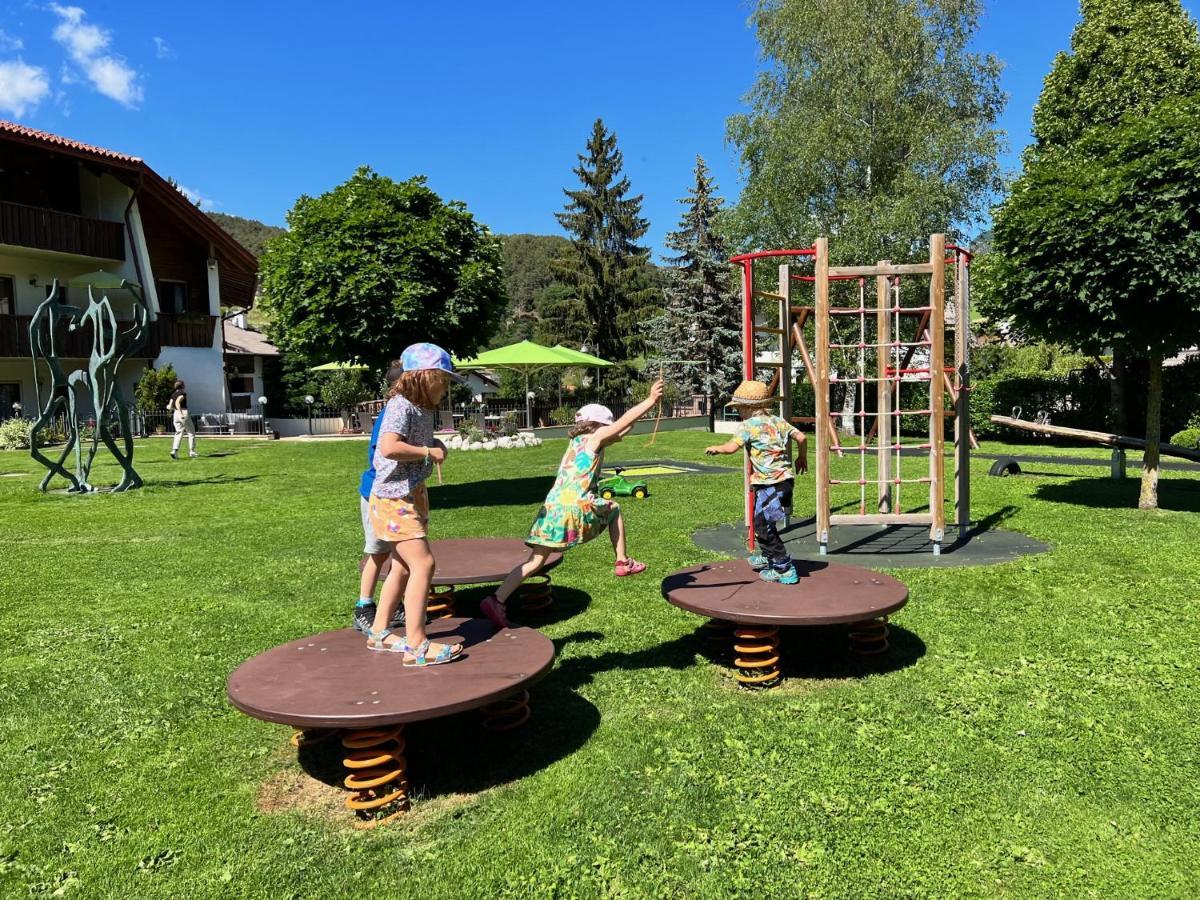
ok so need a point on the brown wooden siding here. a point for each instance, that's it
(176, 253)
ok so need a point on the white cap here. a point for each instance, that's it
(595, 412)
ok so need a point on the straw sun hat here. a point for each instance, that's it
(752, 393)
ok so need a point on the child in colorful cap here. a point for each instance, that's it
(573, 513)
(767, 438)
(399, 503)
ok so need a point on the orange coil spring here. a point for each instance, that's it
(717, 630)
(505, 715)
(756, 655)
(870, 637)
(375, 760)
(441, 602)
(307, 737)
(536, 593)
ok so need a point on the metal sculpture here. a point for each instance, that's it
(97, 383)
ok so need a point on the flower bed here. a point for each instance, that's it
(458, 441)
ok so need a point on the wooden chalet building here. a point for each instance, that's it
(68, 208)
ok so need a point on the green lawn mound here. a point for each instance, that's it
(1035, 736)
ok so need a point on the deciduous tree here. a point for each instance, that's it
(374, 265)
(873, 122)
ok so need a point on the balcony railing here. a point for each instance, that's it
(167, 331)
(48, 229)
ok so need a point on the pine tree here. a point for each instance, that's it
(610, 270)
(699, 325)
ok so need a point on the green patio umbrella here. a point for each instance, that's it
(339, 367)
(527, 358)
(104, 281)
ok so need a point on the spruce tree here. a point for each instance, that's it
(610, 272)
(698, 329)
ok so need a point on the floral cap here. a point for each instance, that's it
(595, 412)
(421, 357)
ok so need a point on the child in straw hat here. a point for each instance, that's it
(767, 438)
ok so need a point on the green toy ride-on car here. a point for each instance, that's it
(619, 486)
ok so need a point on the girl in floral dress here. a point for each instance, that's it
(573, 513)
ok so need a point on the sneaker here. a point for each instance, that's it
(495, 611)
(364, 618)
(787, 576)
(757, 561)
(193, 454)
(628, 566)
(174, 455)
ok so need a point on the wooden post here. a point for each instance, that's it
(883, 417)
(821, 389)
(937, 389)
(962, 394)
(785, 342)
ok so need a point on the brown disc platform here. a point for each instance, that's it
(480, 560)
(331, 680)
(828, 594)
(476, 560)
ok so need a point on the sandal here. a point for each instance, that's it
(375, 641)
(420, 655)
(496, 612)
(628, 566)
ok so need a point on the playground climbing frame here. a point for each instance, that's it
(870, 350)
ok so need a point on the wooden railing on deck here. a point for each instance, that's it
(49, 229)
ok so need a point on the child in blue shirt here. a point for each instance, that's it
(375, 551)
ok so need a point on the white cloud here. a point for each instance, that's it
(85, 45)
(8, 43)
(196, 197)
(162, 49)
(22, 87)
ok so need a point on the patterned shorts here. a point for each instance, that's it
(396, 519)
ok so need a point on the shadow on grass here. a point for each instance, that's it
(529, 491)
(1179, 495)
(823, 652)
(213, 479)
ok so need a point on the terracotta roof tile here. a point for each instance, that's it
(48, 138)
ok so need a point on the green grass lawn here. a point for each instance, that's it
(1034, 732)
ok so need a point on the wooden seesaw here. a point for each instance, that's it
(1118, 442)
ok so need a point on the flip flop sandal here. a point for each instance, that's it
(421, 658)
(375, 641)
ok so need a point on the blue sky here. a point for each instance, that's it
(250, 104)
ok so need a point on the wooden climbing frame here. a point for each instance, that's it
(863, 345)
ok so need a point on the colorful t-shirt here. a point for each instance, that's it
(770, 456)
(395, 478)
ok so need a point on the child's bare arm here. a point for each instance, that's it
(801, 440)
(721, 449)
(393, 446)
(618, 429)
